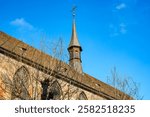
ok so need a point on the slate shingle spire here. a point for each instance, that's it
(75, 48)
(74, 39)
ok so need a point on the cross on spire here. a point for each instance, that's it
(74, 11)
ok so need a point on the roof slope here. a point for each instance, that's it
(31, 56)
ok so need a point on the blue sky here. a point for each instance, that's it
(111, 32)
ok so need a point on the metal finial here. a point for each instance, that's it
(74, 11)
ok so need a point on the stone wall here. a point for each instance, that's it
(9, 67)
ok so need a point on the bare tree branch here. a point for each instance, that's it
(124, 84)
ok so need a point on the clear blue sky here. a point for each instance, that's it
(111, 32)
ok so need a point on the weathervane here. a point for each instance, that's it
(74, 11)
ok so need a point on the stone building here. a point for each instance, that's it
(28, 73)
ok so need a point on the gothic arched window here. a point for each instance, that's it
(51, 92)
(55, 91)
(21, 84)
(82, 96)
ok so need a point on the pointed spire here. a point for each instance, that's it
(74, 48)
(74, 39)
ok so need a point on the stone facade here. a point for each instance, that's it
(10, 67)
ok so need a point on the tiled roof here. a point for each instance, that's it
(18, 47)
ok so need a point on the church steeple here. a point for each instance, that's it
(75, 48)
(74, 39)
